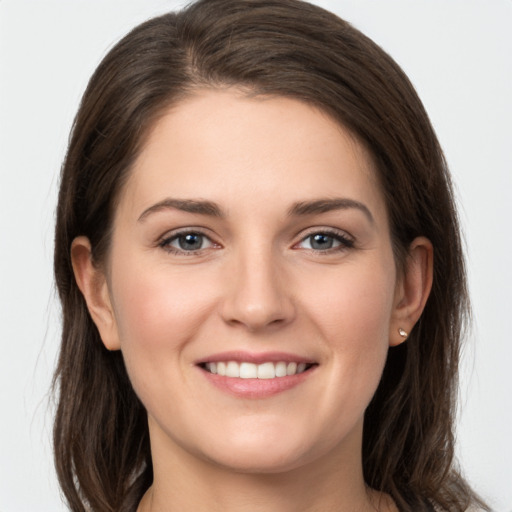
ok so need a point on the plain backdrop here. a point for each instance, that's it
(458, 54)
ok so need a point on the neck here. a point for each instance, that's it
(185, 483)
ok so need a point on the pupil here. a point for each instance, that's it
(321, 241)
(190, 242)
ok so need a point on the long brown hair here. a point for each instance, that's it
(272, 47)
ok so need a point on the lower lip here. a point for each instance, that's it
(256, 388)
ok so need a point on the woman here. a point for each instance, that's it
(260, 268)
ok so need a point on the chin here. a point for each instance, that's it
(267, 453)
(258, 462)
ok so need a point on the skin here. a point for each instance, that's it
(257, 284)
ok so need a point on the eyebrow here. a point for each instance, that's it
(185, 205)
(211, 209)
(327, 205)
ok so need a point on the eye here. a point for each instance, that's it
(186, 242)
(325, 241)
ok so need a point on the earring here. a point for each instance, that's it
(403, 333)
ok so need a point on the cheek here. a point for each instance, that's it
(157, 312)
(355, 304)
(155, 306)
(353, 315)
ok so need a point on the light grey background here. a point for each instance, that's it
(458, 53)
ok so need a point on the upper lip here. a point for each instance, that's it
(256, 358)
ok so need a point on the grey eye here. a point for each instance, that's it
(326, 241)
(188, 242)
(320, 242)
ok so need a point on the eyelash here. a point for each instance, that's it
(165, 243)
(344, 242)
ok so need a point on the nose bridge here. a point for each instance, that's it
(257, 294)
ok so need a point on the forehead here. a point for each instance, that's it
(222, 145)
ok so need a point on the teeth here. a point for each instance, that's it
(281, 370)
(291, 369)
(255, 371)
(232, 369)
(221, 368)
(248, 371)
(266, 371)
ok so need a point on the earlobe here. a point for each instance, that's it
(94, 287)
(412, 290)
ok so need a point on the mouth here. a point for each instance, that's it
(250, 375)
(248, 370)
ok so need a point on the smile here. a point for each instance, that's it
(249, 375)
(246, 370)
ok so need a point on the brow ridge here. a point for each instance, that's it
(198, 206)
(301, 208)
(328, 204)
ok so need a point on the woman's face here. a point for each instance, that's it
(252, 238)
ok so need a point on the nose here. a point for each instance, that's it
(258, 295)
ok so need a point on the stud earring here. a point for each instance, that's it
(402, 333)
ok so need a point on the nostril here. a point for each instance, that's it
(256, 317)
(256, 297)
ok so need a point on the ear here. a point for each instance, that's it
(94, 287)
(412, 290)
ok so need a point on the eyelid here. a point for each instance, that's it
(346, 240)
(169, 236)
